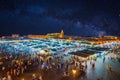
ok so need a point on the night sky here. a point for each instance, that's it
(75, 17)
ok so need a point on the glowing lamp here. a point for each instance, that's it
(22, 79)
(74, 71)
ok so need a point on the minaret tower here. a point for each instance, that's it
(61, 35)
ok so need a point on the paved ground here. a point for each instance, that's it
(101, 71)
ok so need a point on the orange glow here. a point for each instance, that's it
(37, 36)
(74, 71)
(61, 35)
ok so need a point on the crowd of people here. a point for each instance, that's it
(18, 64)
(21, 63)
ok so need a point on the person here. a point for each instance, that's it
(14, 72)
(22, 70)
(64, 74)
(0, 78)
(3, 68)
(18, 72)
(34, 77)
(4, 78)
(86, 65)
(40, 78)
(109, 67)
(103, 59)
(9, 77)
(93, 65)
(90, 62)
